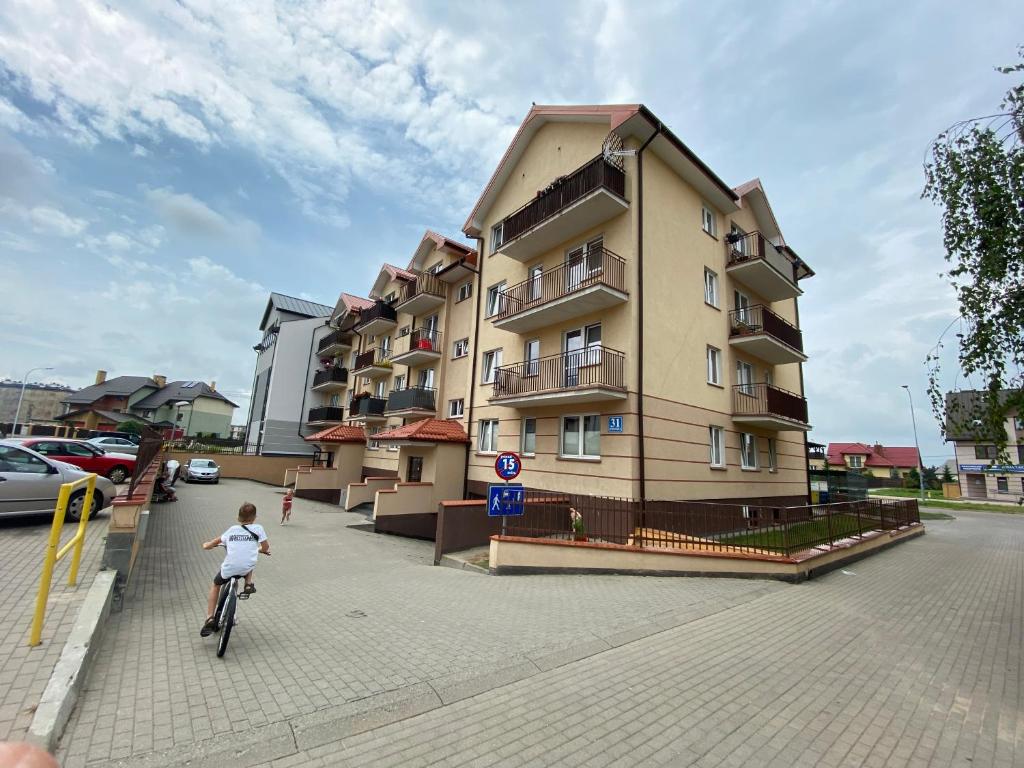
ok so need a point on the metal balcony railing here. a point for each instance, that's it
(368, 406)
(380, 310)
(373, 357)
(767, 400)
(327, 413)
(423, 398)
(756, 246)
(335, 337)
(424, 283)
(427, 339)
(760, 319)
(335, 374)
(597, 267)
(580, 369)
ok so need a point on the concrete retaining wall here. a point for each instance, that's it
(262, 469)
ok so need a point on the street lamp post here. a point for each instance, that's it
(177, 415)
(24, 381)
(913, 420)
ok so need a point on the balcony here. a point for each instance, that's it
(373, 364)
(755, 261)
(423, 294)
(335, 343)
(760, 332)
(569, 206)
(581, 376)
(589, 283)
(378, 319)
(768, 407)
(367, 410)
(326, 414)
(412, 401)
(334, 379)
(421, 347)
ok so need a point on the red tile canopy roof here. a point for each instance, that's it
(338, 434)
(877, 455)
(426, 431)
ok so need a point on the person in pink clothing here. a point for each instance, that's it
(286, 507)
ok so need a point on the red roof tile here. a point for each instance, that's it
(427, 431)
(877, 455)
(338, 434)
(399, 273)
(355, 302)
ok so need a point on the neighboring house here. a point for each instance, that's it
(875, 460)
(42, 402)
(191, 407)
(286, 364)
(982, 472)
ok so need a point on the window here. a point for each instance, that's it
(426, 378)
(497, 236)
(334, 401)
(385, 347)
(1018, 423)
(768, 377)
(745, 377)
(531, 354)
(372, 444)
(717, 440)
(465, 291)
(16, 460)
(772, 460)
(710, 288)
(494, 299)
(492, 360)
(737, 238)
(581, 436)
(487, 439)
(399, 383)
(380, 389)
(435, 269)
(460, 348)
(748, 451)
(390, 298)
(742, 302)
(714, 365)
(529, 446)
(707, 218)
(1002, 485)
(403, 331)
(536, 283)
(985, 452)
(856, 462)
(456, 408)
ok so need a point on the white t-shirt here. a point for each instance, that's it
(243, 549)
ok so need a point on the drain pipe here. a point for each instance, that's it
(800, 367)
(640, 310)
(472, 366)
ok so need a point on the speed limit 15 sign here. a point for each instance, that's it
(508, 465)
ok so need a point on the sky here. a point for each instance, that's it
(164, 166)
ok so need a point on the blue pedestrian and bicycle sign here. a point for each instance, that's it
(505, 500)
(508, 465)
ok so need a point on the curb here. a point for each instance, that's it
(448, 561)
(69, 673)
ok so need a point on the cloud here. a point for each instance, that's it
(193, 217)
(43, 219)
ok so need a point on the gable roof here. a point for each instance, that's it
(176, 390)
(387, 273)
(349, 304)
(432, 241)
(115, 416)
(426, 431)
(119, 386)
(342, 433)
(293, 305)
(877, 455)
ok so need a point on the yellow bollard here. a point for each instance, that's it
(48, 561)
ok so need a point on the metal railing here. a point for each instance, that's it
(335, 374)
(149, 448)
(53, 555)
(597, 267)
(423, 398)
(590, 367)
(367, 406)
(756, 246)
(425, 282)
(335, 337)
(561, 193)
(379, 310)
(373, 357)
(768, 400)
(327, 413)
(760, 319)
(707, 526)
(427, 339)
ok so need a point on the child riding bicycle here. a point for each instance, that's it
(243, 542)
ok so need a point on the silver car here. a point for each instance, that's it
(30, 483)
(201, 471)
(114, 445)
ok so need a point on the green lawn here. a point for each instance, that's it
(799, 535)
(935, 516)
(1009, 509)
(908, 493)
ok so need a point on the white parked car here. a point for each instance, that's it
(114, 445)
(30, 483)
(201, 471)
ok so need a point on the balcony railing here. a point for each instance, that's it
(367, 406)
(373, 357)
(335, 374)
(381, 310)
(343, 338)
(760, 319)
(562, 193)
(425, 283)
(420, 398)
(425, 339)
(597, 267)
(757, 246)
(327, 413)
(768, 400)
(580, 369)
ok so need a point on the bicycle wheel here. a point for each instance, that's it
(227, 620)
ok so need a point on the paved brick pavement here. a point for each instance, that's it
(341, 615)
(25, 671)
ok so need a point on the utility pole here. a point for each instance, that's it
(24, 381)
(913, 420)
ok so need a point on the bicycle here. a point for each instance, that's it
(227, 604)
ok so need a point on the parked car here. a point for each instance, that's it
(201, 471)
(115, 444)
(30, 483)
(131, 437)
(116, 466)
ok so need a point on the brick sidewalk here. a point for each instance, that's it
(340, 615)
(25, 671)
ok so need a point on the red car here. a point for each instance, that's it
(116, 466)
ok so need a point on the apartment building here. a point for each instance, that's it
(639, 334)
(983, 474)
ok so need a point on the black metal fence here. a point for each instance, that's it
(326, 413)
(335, 375)
(422, 398)
(335, 337)
(759, 319)
(768, 400)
